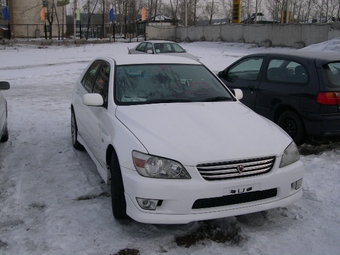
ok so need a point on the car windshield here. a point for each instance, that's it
(168, 48)
(167, 83)
(332, 71)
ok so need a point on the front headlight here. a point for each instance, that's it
(158, 167)
(290, 155)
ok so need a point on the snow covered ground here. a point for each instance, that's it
(53, 201)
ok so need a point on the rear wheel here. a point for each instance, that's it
(74, 132)
(117, 189)
(291, 122)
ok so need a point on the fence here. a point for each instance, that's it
(287, 35)
(61, 31)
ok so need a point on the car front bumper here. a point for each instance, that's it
(178, 196)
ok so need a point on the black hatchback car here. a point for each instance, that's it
(298, 90)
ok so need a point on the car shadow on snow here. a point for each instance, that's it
(315, 146)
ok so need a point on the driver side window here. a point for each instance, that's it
(141, 47)
(248, 69)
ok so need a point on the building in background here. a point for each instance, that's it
(34, 18)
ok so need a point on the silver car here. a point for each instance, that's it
(161, 47)
(4, 85)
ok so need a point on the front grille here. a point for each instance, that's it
(234, 199)
(235, 169)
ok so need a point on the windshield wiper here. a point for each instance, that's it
(216, 99)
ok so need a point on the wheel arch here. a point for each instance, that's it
(109, 152)
(283, 108)
(300, 136)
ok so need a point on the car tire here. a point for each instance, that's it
(5, 135)
(291, 122)
(74, 132)
(117, 189)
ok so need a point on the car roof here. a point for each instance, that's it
(159, 41)
(311, 55)
(138, 59)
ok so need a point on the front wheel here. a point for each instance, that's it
(291, 122)
(5, 135)
(117, 189)
(74, 132)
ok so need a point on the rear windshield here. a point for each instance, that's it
(332, 71)
(167, 83)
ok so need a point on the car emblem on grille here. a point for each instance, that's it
(240, 168)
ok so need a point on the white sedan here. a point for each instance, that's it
(161, 47)
(176, 145)
(4, 85)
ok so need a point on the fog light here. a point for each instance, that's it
(296, 185)
(147, 204)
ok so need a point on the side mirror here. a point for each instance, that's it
(238, 94)
(149, 51)
(93, 99)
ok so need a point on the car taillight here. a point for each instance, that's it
(328, 98)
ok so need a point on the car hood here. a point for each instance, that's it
(195, 133)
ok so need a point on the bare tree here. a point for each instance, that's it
(51, 13)
(227, 9)
(211, 8)
(274, 8)
(90, 7)
(174, 8)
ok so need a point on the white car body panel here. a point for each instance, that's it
(190, 133)
(204, 131)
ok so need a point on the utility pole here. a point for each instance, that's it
(186, 13)
(287, 11)
(256, 12)
(75, 19)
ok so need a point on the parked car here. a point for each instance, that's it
(4, 85)
(176, 145)
(300, 90)
(161, 47)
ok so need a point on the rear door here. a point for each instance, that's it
(285, 81)
(245, 74)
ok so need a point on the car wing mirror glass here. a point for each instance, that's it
(149, 51)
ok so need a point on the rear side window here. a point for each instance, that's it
(248, 69)
(281, 70)
(332, 71)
